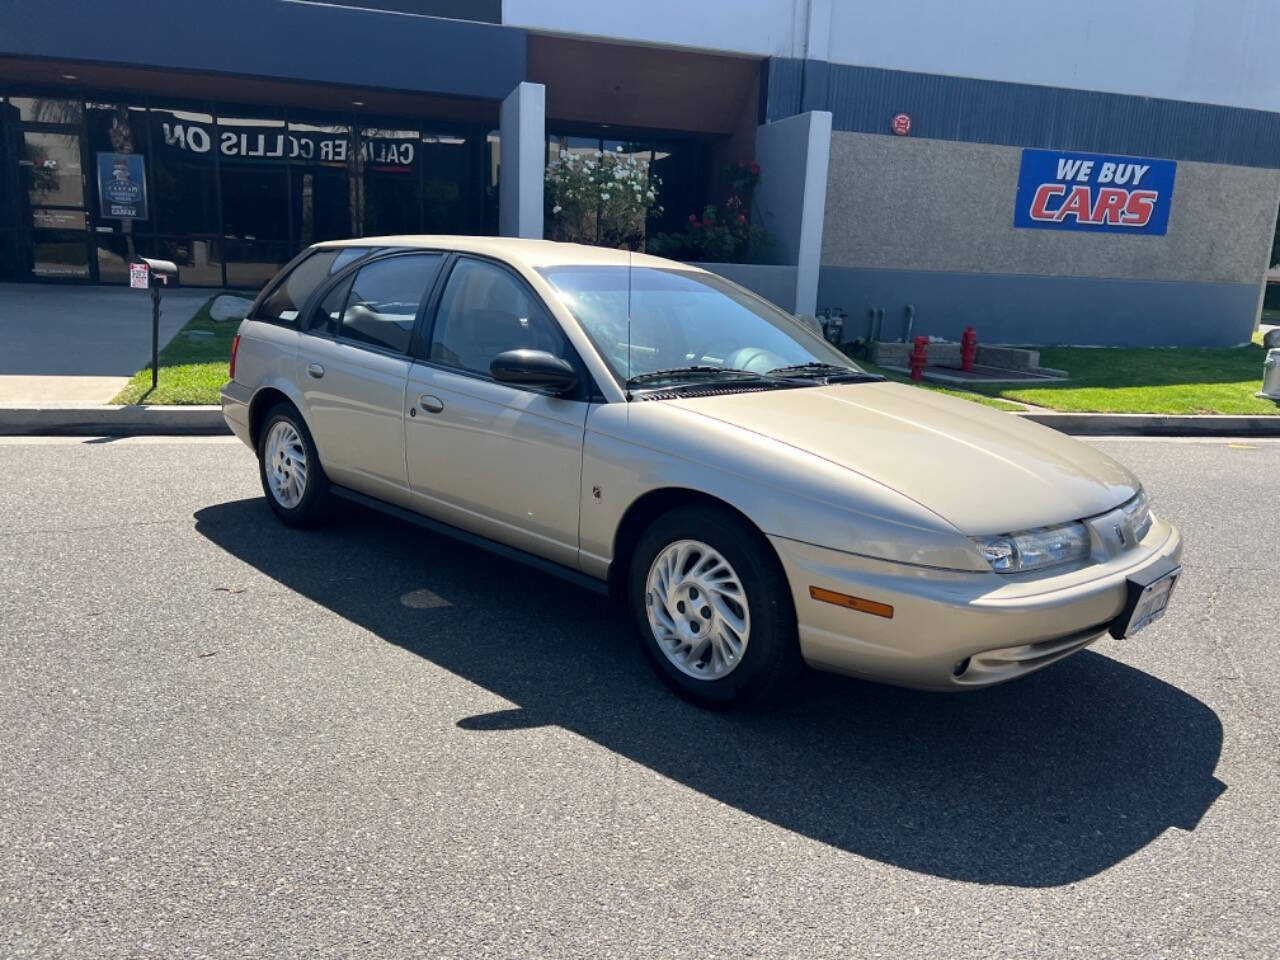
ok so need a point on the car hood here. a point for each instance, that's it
(982, 470)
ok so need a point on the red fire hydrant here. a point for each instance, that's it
(968, 348)
(919, 357)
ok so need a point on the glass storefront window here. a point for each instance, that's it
(681, 165)
(255, 193)
(392, 195)
(15, 255)
(117, 250)
(184, 184)
(117, 128)
(581, 146)
(446, 163)
(321, 156)
(232, 192)
(199, 259)
(59, 254)
(250, 265)
(47, 110)
(684, 168)
(52, 168)
(492, 153)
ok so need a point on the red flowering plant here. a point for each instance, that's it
(722, 233)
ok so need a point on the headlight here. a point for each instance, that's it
(1138, 513)
(1035, 549)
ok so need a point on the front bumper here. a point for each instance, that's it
(235, 409)
(952, 630)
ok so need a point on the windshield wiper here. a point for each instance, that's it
(697, 370)
(825, 371)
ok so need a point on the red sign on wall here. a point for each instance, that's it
(902, 124)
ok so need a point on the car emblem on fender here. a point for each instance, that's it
(1124, 542)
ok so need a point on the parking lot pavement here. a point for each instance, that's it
(227, 738)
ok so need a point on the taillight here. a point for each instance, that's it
(235, 345)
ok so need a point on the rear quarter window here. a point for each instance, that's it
(284, 303)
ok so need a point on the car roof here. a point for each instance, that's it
(529, 253)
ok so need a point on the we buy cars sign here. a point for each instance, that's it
(1095, 192)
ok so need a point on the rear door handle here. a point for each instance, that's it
(431, 404)
(315, 370)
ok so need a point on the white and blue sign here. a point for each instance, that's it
(122, 186)
(1095, 192)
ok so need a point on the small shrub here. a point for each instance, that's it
(602, 200)
(722, 233)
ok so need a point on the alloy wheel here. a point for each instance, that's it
(285, 463)
(697, 610)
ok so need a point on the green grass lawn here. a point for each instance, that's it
(1121, 380)
(986, 401)
(192, 368)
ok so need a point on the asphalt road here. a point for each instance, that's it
(223, 738)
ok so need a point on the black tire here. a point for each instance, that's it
(313, 507)
(771, 658)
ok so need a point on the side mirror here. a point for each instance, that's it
(533, 368)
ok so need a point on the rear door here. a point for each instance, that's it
(352, 366)
(502, 461)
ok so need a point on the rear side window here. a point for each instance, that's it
(384, 299)
(285, 301)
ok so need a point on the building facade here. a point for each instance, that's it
(961, 162)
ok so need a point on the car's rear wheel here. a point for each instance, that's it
(289, 468)
(712, 607)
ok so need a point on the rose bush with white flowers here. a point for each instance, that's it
(603, 198)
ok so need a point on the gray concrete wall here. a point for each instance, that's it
(776, 283)
(930, 222)
(523, 161)
(1012, 308)
(791, 198)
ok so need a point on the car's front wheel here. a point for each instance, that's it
(712, 607)
(289, 468)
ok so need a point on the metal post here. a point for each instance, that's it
(155, 335)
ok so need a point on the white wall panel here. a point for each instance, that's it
(761, 28)
(1206, 51)
(1209, 51)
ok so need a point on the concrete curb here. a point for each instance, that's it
(123, 421)
(107, 420)
(1155, 425)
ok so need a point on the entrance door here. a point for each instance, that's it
(57, 221)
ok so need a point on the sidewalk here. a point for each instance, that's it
(80, 345)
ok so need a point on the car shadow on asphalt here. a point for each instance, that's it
(1038, 783)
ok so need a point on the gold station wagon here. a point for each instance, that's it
(651, 429)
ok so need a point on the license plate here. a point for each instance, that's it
(1152, 602)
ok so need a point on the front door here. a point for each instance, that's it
(352, 366)
(57, 220)
(497, 460)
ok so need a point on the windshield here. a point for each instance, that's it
(681, 320)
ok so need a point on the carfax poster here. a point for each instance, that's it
(122, 186)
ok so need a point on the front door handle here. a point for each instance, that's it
(431, 404)
(315, 370)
